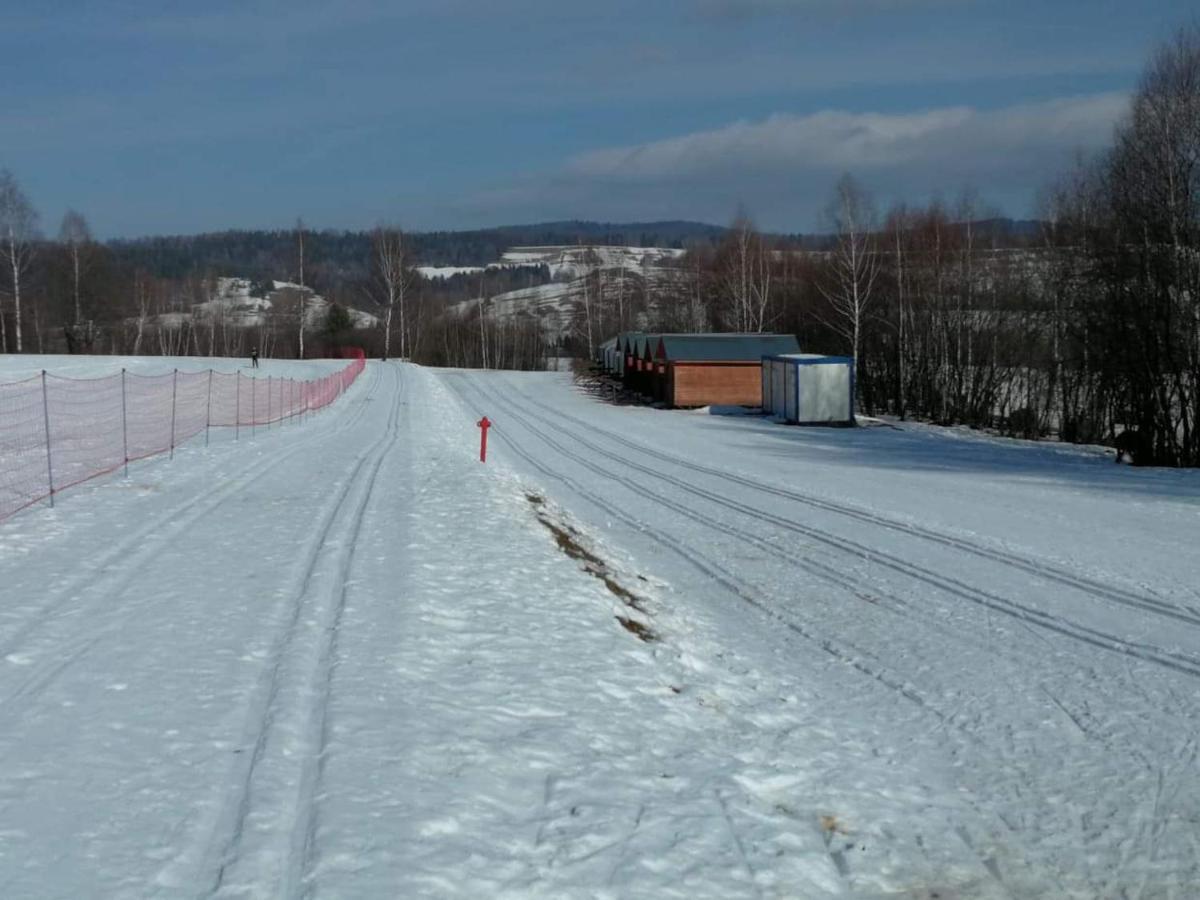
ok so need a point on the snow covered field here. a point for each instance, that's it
(638, 653)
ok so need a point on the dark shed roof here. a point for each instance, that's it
(724, 347)
(643, 344)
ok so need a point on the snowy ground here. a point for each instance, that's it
(636, 654)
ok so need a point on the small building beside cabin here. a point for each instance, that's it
(693, 370)
(808, 388)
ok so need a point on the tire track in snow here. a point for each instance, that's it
(259, 839)
(1176, 661)
(879, 598)
(1041, 569)
(1017, 787)
(841, 650)
(149, 542)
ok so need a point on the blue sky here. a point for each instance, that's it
(153, 117)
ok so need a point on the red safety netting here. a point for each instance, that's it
(57, 432)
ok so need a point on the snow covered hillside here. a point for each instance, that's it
(619, 273)
(637, 654)
(576, 261)
(243, 303)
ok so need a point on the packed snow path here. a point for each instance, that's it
(637, 654)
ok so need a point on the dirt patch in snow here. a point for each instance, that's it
(637, 629)
(568, 541)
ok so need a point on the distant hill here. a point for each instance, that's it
(333, 257)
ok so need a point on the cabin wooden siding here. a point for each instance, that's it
(714, 383)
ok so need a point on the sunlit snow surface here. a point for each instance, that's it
(341, 658)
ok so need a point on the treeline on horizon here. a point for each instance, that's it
(340, 256)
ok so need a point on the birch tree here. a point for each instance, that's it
(854, 262)
(142, 301)
(18, 229)
(302, 300)
(391, 277)
(300, 250)
(746, 275)
(76, 238)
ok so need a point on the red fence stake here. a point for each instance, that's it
(207, 409)
(49, 463)
(484, 425)
(174, 394)
(124, 426)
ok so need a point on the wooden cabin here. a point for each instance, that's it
(715, 369)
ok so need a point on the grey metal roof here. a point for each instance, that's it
(812, 358)
(726, 347)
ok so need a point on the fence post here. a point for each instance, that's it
(237, 416)
(253, 407)
(208, 409)
(124, 426)
(174, 392)
(46, 416)
(268, 403)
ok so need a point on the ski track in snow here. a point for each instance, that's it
(346, 660)
(264, 830)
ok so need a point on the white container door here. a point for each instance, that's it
(824, 393)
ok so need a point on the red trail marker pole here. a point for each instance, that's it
(484, 425)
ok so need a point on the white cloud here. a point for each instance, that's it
(782, 168)
(748, 9)
(959, 136)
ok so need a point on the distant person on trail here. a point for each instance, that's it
(254, 357)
